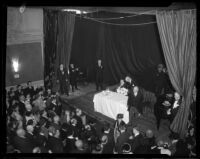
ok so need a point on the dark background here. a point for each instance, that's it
(124, 50)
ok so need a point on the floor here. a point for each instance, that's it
(83, 99)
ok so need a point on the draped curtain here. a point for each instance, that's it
(177, 31)
(58, 36)
(66, 22)
(124, 50)
(50, 45)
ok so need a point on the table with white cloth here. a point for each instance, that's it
(111, 104)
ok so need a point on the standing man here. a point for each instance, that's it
(73, 73)
(99, 75)
(160, 80)
(62, 78)
(135, 99)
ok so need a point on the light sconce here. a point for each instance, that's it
(15, 64)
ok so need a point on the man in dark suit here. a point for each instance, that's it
(54, 142)
(21, 143)
(29, 89)
(73, 74)
(108, 147)
(135, 99)
(30, 136)
(21, 104)
(18, 92)
(62, 78)
(136, 141)
(123, 138)
(160, 80)
(175, 106)
(99, 75)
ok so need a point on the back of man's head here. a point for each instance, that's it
(106, 127)
(20, 132)
(79, 144)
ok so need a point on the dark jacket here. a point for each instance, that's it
(55, 144)
(99, 73)
(108, 147)
(73, 74)
(123, 138)
(29, 91)
(23, 144)
(62, 77)
(31, 138)
(135, 101)
(22, 108)
(136, 142)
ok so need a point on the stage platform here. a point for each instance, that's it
(83, 99)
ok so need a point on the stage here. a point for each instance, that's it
(83, 99)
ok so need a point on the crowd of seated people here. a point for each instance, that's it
(37, 123)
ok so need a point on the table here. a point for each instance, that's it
(111, 104)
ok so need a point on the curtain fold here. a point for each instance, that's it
(50, 46)
(66, 23)
(177, 31)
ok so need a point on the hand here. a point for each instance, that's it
(131, 137)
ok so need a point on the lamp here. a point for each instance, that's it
(15, 64)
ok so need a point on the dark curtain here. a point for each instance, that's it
(66, 22)
(50, 45)
(124, 50)
(178, 36)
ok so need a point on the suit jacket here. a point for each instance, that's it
(62, 77)
(22, 108)
(23, 144)
(73, 73)
(135, 101)
(123, 138)
(99, 73)
(70, 145)
(55, 144)
(108, 147)
(136, 142)
(29, 91)
(31, 138)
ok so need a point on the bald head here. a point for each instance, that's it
(135, 89)
(20, 132)
(79, 144)
(61, 66)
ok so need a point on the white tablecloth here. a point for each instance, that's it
(111, 105)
